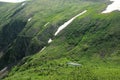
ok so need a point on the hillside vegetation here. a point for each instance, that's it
(88, 49)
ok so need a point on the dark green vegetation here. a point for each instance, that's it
(92, 40)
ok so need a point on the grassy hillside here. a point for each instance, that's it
(18, 34)
(92, 41)
(20, 37)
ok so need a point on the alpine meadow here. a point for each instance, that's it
(59, 39)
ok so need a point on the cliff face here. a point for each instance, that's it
(90, 42)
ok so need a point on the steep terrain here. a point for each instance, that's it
(86, 49)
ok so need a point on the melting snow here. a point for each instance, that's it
(60, 29)
(46, 23)
(12, 1)
(23, 4)
(42, 49)
(74, 64)
(68, 22)
(50, 40)
(29, 19)
(112, 7)
(4, 69)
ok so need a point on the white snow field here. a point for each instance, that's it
(112, 7)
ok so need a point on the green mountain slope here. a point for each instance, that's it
(87, 49)
(20, 37)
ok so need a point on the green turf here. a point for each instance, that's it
(92, 40)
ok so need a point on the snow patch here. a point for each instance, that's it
(68, 22)
(42, 49)
(23, 4)
(12, 1)
(29, 19)
(74, 64)
(46, 23)
(50, 40)
(61, 28)
(112, 7)
(4, 69)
